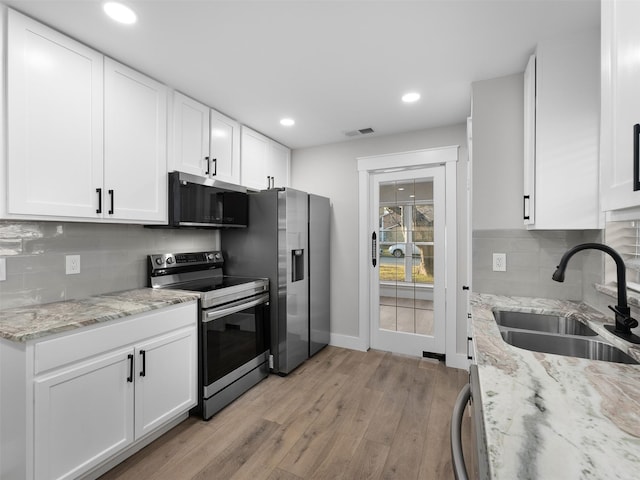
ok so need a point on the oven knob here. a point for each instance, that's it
(169, 260)
(218, 256)
(210, 256)
(159, 261)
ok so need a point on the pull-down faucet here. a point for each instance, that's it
(624, 323)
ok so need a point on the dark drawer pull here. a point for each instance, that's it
(99, 192)
(143, 372)
(130, 377)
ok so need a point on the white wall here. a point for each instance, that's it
(331, 170)
(498, 153)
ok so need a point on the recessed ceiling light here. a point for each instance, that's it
(120, 13)
(411, 97)
(287, 122)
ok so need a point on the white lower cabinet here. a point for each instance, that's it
(91, 394)
(165, 379)
(83, 415)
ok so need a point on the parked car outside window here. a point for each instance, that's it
(398, 249)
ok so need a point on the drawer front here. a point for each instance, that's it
(95, 340)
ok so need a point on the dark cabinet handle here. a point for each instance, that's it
(130, 377)
(525, 202)
(268, 182)
(374, 246)
(636, 157)
(112, 200)
(215, 166)
(465, 287)
(99, 192)
(143, 372)
(206, 159)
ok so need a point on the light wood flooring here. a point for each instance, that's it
(343, 414)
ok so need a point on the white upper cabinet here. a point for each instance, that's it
(87, 137)
(279, 161)
(205, 142)
(135, 145)
(55, 122)
(190, 152)
(224, 148)
(620, 78)
(562, 134)
(265, 163)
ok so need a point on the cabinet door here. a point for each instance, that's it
(529, 141)
(83, 415)
(279, 159)
(135, 146)
(567, 132)
(620, 102)
(225, 147)
(55, 120)
(166, 375)
(190, 136)
(255, 158)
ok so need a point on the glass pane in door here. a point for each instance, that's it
(406, 220)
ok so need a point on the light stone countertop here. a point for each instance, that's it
(550, 416)
(27, 323)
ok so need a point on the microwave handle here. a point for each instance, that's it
(212, 315)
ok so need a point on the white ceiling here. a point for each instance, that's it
(334, 66)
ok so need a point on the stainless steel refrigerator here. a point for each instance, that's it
(277, 245)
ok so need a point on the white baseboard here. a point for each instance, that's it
(348, 341)
(458, 360)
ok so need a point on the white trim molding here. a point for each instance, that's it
(447, 156)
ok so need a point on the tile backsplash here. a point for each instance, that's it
(532, 257)
(113, 257)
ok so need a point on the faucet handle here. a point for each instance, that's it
(623, 315)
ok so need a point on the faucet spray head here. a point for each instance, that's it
(558, 275)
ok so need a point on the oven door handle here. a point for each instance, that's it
(214, 314)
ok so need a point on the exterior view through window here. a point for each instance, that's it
(406, 222)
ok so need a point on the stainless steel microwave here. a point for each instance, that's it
(206, 202)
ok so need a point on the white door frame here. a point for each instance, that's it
(399, 341)
(447, 156)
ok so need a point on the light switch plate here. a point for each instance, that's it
(499, 262)
(3, 269)
(72, 264)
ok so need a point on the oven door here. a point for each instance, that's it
(234, 337)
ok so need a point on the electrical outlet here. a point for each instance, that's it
(73, 264)
(499, 262)
(3, 269)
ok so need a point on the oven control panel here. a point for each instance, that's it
(177, 260)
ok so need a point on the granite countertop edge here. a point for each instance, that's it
(552, 416)
(22, 324)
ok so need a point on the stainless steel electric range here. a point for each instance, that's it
(233, 325)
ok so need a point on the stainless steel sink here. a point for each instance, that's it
(542, 323)
(582, 347)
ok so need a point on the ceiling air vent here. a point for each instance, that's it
(362, 131)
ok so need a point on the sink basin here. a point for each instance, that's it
(542, 323)
(581, 347)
